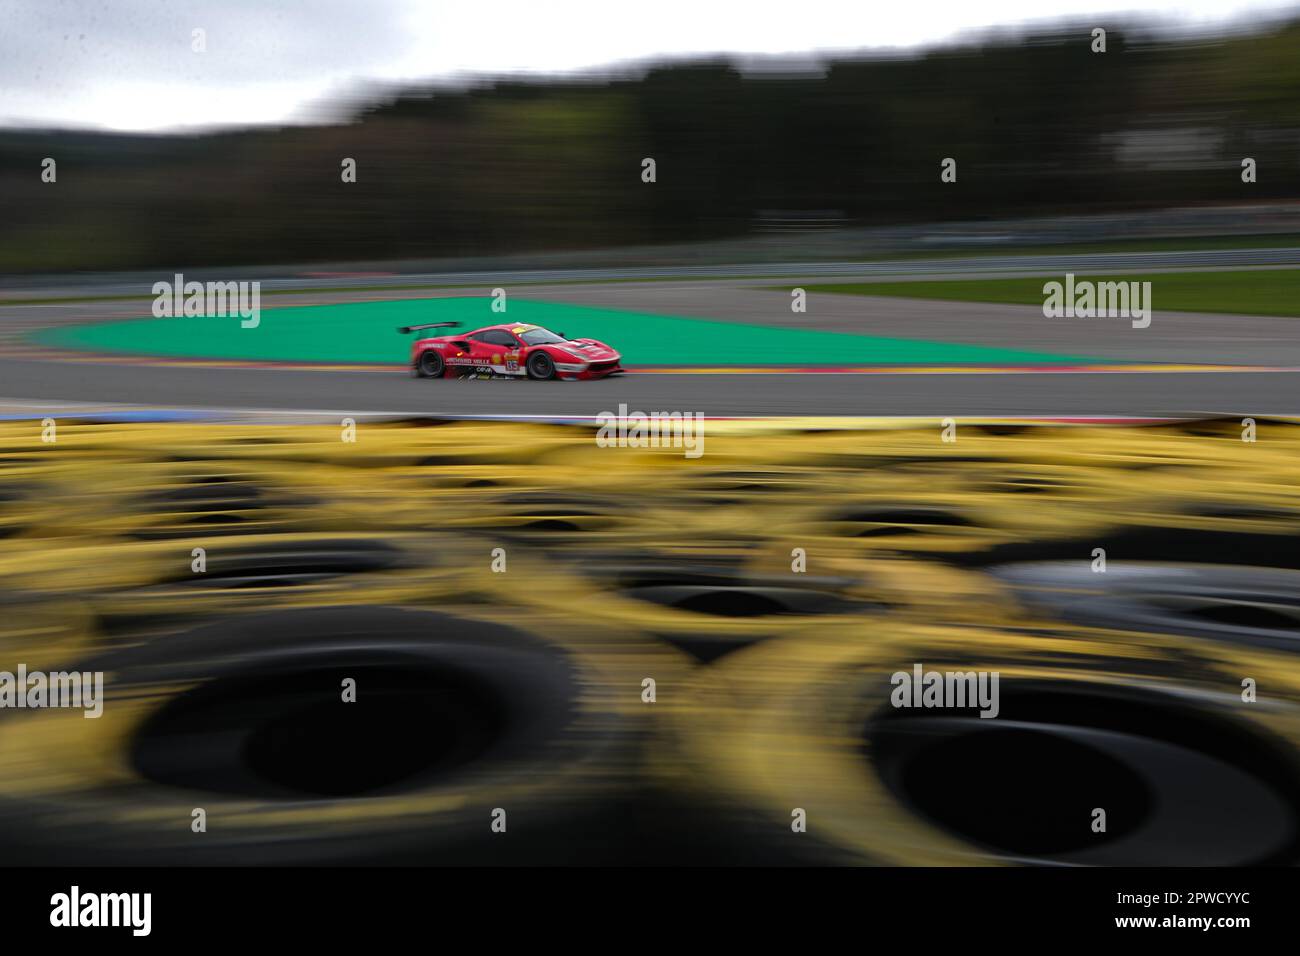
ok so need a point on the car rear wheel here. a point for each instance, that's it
(540, 366)
(429, 365)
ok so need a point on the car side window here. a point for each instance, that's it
(498, 337)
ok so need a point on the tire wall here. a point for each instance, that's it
(503, 596)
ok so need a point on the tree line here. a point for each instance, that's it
(1037, 124)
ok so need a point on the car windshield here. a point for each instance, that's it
(540, 337)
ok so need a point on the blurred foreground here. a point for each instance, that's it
(500, 593)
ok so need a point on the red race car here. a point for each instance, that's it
(511, 350)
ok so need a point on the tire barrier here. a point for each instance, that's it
(211, 506)
(134, 589)
(1258, 606)
(1210, 535)
(243, 717)
(1069, 747)
(41, 632)
(1140, 726)
(555, 520)
(705, 604)
(503, 590)
(22, 512)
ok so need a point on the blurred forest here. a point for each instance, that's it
(1038, 124)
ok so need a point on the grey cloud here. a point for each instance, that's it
(54, 49)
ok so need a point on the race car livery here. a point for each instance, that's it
(510, 350)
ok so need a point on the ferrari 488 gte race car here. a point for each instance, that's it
(512, 350)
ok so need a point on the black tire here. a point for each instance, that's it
(541, 366)
(1063, 747)
(1187, 776)
(430, 365)
(241, 717)
(262, 572)
(1243, 605)
(710, 607)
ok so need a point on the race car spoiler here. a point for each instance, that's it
(432, 325)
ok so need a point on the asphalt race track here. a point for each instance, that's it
(1260, 357)
(385, 392)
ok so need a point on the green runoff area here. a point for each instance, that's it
(1244, 292)
(366, 333)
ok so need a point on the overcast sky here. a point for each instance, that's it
(129, 64)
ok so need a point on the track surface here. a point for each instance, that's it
(28, 379)
(956, 395)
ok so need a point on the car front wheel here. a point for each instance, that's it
(540, 366)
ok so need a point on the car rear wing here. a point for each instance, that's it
(404, 329)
